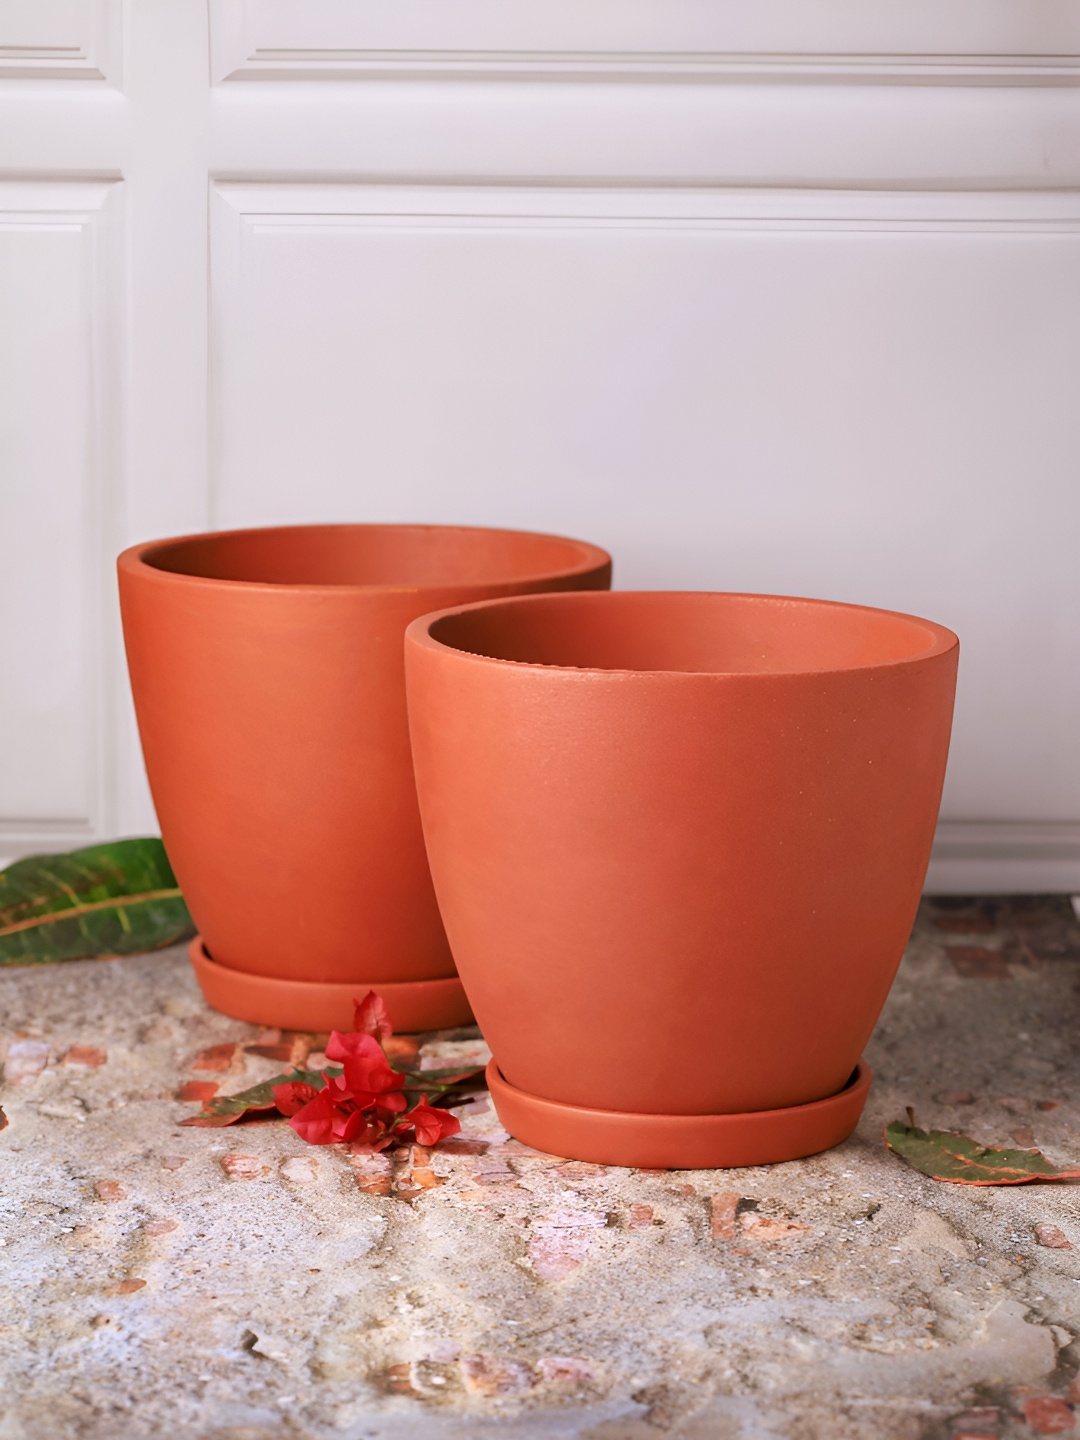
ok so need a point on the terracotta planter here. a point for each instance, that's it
(268, 679)
(678, 842)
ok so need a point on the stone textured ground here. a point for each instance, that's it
(237, 1284)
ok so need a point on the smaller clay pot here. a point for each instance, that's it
(269, 686)
(678, 842)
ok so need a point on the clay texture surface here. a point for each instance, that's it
(238, 1284)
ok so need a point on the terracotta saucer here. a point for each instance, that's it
(313, 1005)
(680, 1142)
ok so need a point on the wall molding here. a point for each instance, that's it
(18, 840)
(847, 41)
(300, 64)
(988, 857)
(413, 202)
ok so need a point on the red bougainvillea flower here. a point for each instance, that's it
(293, 1096)
(314, 1122)
(371, 1017)
(334, 1113)
(373, 1078)
(376, 1134)
(430, 1125)
(365, 1105)
(366, 1067)
(350, 1124)
(354, 1046)
(339, 1112)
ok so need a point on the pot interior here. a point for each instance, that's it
(374, 555)
(688, 631)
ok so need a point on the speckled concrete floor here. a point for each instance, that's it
(236, 1284)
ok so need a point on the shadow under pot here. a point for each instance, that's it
(678, 843)
(268, 678)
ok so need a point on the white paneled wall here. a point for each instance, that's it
(771, 294)
(58, 455)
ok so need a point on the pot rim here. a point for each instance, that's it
(136, 560)
(418, 633)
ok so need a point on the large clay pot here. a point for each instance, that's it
(678, 842)
(268, 679)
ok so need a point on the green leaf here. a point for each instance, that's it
(105, 900)
(958, 1160)
(438, 1079)
(443, 1088)
(228, 1109)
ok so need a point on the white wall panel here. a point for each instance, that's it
(59, 39)
(758, 136)
(867, 397)
(935, 39)
(778, 294)
(58, 389)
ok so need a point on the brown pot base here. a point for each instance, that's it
(680, 1142)
(318, 1006)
